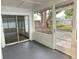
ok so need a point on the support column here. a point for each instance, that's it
(31, 26)
(53, 26)
(74, 30)
(3, 43)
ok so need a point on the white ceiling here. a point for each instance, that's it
(24, 3)
(30, 4)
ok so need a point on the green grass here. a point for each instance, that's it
(63, 27)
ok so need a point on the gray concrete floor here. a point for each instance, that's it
(31, 50)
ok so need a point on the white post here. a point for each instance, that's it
(74, 30)
(53, 25)
(33, 24)
(31, 30)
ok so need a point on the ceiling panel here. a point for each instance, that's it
(31, 4)
(42, 1)
(10, 2)
(17, 2)
(24, 3)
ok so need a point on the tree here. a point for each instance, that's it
(68, 13)
(49, 21)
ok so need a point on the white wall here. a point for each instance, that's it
(2, 39)
(15, 10)
(2, 36)
(6, 10)
(43, 38)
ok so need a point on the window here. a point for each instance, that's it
(43, 22)
(64, 20)
(64, 28)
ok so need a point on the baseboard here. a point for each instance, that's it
(17, 42)
(63, 53)
(41, 44)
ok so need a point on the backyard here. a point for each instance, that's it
(63, 27)
(43, 21)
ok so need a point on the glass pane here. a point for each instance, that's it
(43, 22)
(64, 28)
(23, 35)
(10, 29)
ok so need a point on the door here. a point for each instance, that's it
(23, 35)
(10, 28)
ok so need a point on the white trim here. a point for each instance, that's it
(17, 42)
(23, 40)
(17, 28)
